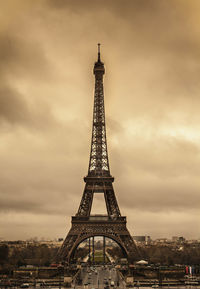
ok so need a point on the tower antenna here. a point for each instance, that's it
(99, 59)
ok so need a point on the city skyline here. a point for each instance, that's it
(151, 55)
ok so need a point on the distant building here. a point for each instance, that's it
(162, 240)
(178, 239)
(142, 239)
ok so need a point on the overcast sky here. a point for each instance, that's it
(151, 51)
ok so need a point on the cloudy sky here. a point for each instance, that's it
(151, 51)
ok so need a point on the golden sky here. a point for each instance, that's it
(151, 51)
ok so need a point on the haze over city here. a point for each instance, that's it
(151, 85)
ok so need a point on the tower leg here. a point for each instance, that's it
(89, 251)
(104, 249)
(93, 250)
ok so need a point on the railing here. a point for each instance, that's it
(97, 218)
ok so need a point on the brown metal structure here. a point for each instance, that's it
(98, 180)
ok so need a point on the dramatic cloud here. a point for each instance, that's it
(152, 60)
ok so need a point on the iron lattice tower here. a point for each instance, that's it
(98, 180)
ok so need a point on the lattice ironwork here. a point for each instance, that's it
(95, 185)
(113, 229)
(98, 164)
(98, 180)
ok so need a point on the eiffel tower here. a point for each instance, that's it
(98, 180)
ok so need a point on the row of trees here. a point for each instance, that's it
(164, 255)
(42, 255)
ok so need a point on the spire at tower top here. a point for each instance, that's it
(99, 66)
(99, 59)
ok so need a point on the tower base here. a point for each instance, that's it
(98, 225)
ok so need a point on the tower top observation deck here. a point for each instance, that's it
(99, 65)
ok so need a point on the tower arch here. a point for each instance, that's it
(87, 236)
